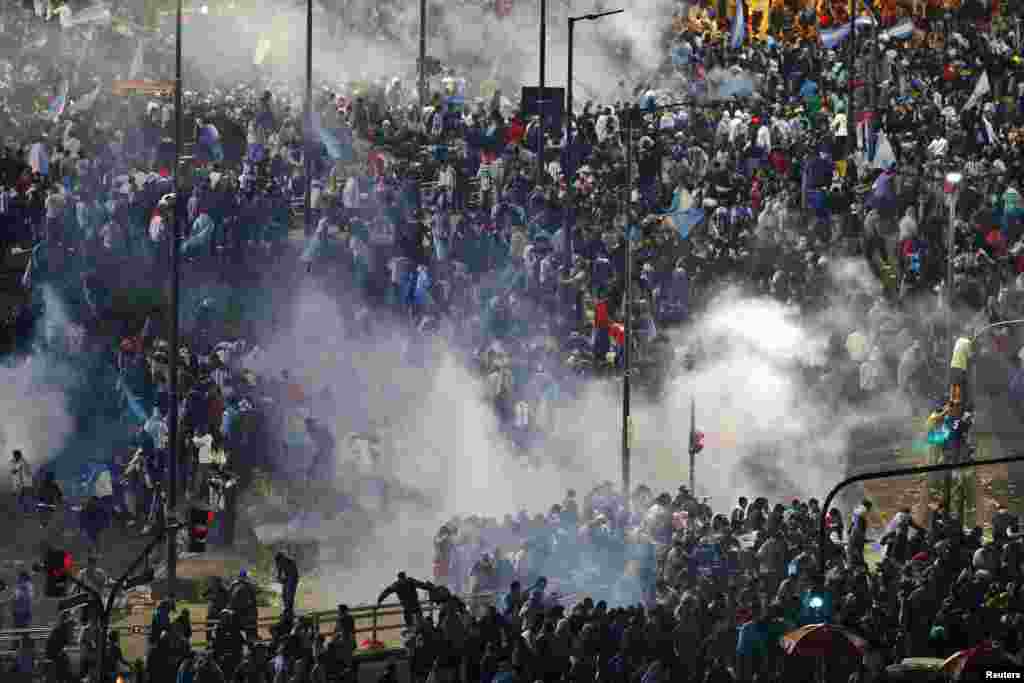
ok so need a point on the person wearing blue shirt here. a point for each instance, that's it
(752, 644)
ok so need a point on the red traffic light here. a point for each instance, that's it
(59, 563)
(199, 523)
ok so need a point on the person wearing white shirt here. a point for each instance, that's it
(764, 138)
(156, 427)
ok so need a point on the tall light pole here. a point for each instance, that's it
(952, 189)
(172, 413)
(423, 56)
(309, 137)
(851, 110)
(570, 228)
(541, 97)
(627, 355)
(627, 337)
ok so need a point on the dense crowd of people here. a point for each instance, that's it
(733, 165)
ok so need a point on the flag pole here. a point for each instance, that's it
(693, 454)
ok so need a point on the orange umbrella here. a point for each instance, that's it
(823, 640)
(971, 664)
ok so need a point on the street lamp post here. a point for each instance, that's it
(851, 109)
(541, 94)
(952, 188)
(423, 56)
(309, 138)
(627, 340)
(172, 413)
(627, 337)
(570, 226)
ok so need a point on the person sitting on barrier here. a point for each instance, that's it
(406, 589)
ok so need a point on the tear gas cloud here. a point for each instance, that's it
(768, 434)
(37, 420)
(620, 48)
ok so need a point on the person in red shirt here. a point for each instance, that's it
(515, 132)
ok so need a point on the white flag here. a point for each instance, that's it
(884, 155)
(138, 61)
(980, 90)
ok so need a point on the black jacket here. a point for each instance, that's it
(406, 590)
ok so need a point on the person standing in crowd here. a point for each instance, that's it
(287, 574)
(243, 604)
(858, 533)
(217, 600)
(21, 479)
(51, 498)
(24, 597)
(92, 576)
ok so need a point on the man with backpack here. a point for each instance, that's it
(242, 602)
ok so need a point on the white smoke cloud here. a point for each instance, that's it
(37, 420)
(768, 433)
(624, 47)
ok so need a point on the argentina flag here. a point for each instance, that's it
(683, 220)
(739, 26)
(831, 38)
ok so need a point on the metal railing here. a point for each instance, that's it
(323, 623)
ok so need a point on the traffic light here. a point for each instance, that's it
(199, 522)
(696, 442)
(59, 565)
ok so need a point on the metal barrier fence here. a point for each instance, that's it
(386, 618)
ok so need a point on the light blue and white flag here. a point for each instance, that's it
(901, 31)
(739, 26)
(836, 36)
